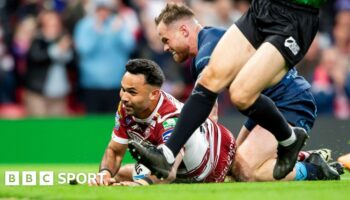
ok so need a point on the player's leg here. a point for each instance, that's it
(286, 39)
(244, 132)
(302, 156)
(227, 59)
(255, 159)
(249, 158)
(313, 168)
(265, 68)
(256, 164)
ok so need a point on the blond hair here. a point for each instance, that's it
(173, 12)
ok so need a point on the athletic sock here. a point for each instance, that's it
(301, 171)
(265, 113)
(306, 171)
(289, 140)
(193, 114)
(170, 158)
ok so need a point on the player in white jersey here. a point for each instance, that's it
(148, 114)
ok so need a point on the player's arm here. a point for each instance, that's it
(111, 162)
(163, 132)
(150, 180)
(248, 126)
(243, 134)
(172, 174)
(214, 114)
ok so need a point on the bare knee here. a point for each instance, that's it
(214, 79)
(240, 97)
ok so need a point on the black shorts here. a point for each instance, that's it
(290, 27)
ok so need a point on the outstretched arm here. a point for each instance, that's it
(214, 114)
(243, 134)
(110, 163)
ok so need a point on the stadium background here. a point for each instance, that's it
(75, 137)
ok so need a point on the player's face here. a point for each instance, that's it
(136, 95)
(174, 38)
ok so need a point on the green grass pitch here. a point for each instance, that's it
(329, 190)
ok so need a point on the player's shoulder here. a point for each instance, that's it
(169, 104)
(166, 118)
(169, 108)
(208, 37)
(210, 33)
(122, 118)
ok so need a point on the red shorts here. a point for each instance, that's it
(227, 153)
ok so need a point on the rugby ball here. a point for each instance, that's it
(140, 171)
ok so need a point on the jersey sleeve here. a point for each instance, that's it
(119, 134)
(250, 124)
(203, 57)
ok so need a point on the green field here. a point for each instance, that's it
(76, 145)
(336, 190)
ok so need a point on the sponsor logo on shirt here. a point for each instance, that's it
(292, 45)
(128, 120)
(166, 135)
(169, 123)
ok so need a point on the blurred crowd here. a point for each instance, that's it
(67, 57)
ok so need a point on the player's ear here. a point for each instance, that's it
(154, 94)
(184, 30)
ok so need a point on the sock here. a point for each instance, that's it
(306, 171)
(301, 172)
(265, 113)
(170, 158)
(195, 111)
(288, 141)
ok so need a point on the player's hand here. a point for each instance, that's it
(103, 178)
(127, 183)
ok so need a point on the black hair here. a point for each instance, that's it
(151, 70)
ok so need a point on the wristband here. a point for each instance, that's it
(106, 169)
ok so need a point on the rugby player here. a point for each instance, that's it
(185, 38)
(147, 114)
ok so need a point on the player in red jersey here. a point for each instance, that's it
(147, 114)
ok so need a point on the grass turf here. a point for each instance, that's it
(336, 190)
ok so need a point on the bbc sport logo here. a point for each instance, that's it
(47, 178)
